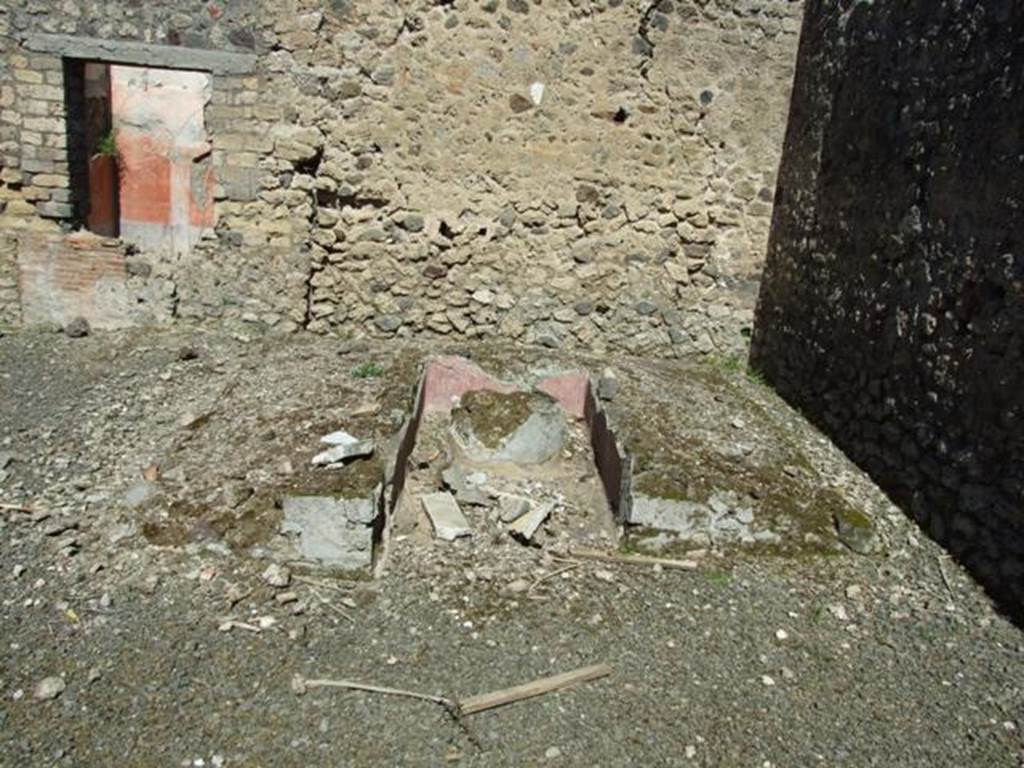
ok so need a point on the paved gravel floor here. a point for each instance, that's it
(892, 660)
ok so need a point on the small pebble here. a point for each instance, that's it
(517, 586)
(277, 576)
(49, 688)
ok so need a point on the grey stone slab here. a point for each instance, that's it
(686, 518)
(446, 517)
(857, 532)
(122, 52)
(334, 532)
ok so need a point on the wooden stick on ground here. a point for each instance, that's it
(552, 575)
(300, 685)
(328, 604)
(945, 578)
(486, 701)
(17, 508)
(338, 585)
(473, 704)
(613, 557)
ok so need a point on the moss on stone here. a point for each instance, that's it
(675, 463)
(493, 416)
(847, 516)
(661, 485)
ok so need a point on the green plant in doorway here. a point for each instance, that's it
(107, 145)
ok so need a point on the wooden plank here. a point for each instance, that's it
(486, 701)
(614, 557)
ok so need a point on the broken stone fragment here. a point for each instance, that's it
(668, 513)
(276, 576)
(474, 496)
(446, 517)
(519, 103)
(138, 494)
(607, 387)
(527, 526)
(343, 446)
(513, 508)
(856, 531)
(193, 420)
(454, 478)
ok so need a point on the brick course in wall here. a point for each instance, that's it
(64, 277)
(592, 173)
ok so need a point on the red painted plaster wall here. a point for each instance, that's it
(166, 184)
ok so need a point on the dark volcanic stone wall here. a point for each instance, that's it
(892, 308)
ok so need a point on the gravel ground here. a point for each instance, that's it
(891, 660)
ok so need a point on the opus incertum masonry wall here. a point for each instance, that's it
(586, 173)
(892, 309)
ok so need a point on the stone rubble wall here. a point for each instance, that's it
(10, 306)
(892, 312)
(588, 173)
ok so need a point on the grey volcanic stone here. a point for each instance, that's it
(78, 328)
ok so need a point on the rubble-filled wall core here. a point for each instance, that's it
(892, 308)
(588, 173)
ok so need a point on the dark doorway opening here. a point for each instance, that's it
(92, 147)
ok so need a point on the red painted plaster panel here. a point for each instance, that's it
(145, 179)
(167, 181)
(449, 378)
(569, 389)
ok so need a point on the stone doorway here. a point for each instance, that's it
(142, 154)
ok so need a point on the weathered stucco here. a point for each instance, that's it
(892, 310)
(594, 173)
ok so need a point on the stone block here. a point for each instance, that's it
(51, 180)
(332, 532)
(687, 518)
(53, 210)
